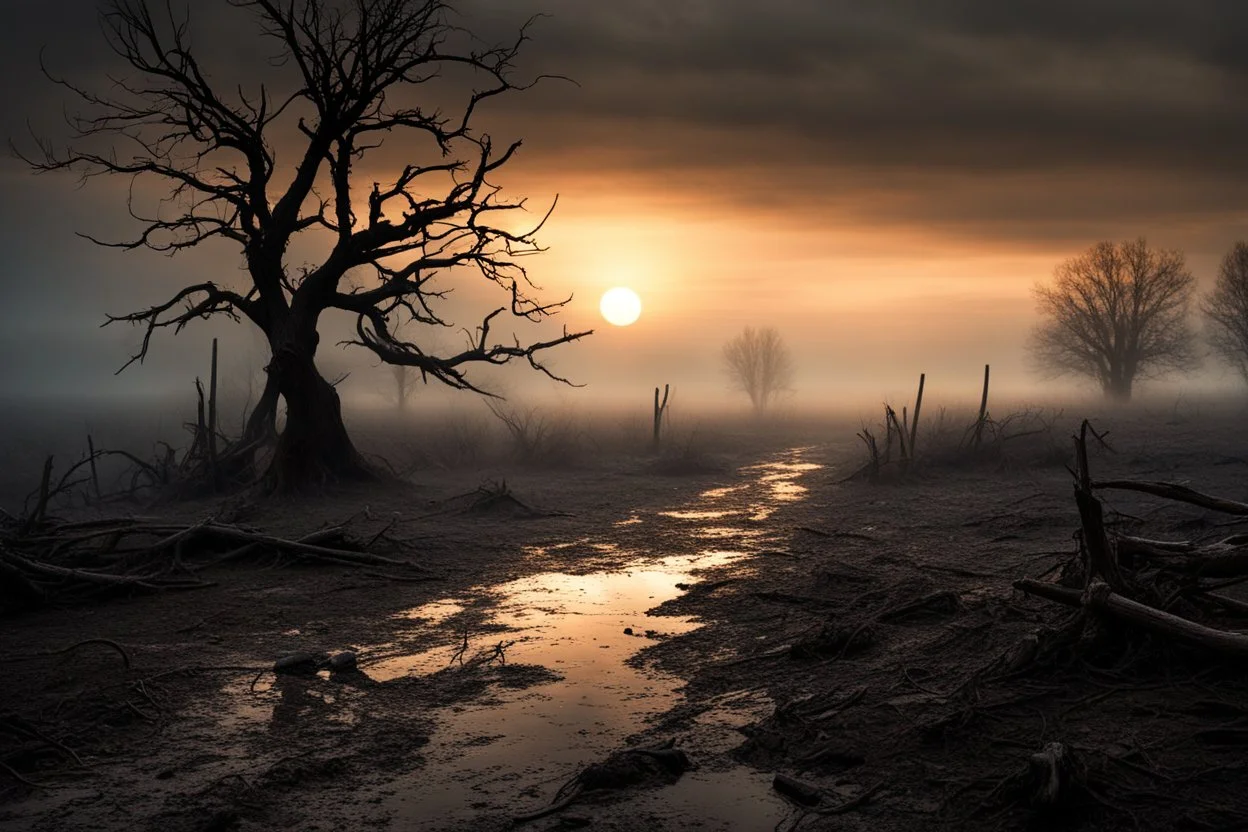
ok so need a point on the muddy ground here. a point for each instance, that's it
(783, 637)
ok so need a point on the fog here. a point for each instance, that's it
(886, 211)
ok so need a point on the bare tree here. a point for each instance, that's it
(402, 384)
(759, 364)
(1226, 309)
(353, 73)
(1116, 313)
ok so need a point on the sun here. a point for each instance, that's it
(620, 306)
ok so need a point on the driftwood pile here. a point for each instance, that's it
(1155, 609)
(1169, 589)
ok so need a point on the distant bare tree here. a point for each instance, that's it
(759, 365)
(1116, 313)
(402, 384)
(1226, 309)
(264, 166)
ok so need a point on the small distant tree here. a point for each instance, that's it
(402, 384)
(1116, 313)
(759, 365)
(1226, 310)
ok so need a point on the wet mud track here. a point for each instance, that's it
(466, 709)
(589, 625)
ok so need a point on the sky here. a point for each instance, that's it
(883, 182)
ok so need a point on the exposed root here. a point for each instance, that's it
(121, 651)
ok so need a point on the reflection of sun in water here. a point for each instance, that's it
(620, 306)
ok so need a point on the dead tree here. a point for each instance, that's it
(1226, 309)
(402, 385)
(343, 79)
(759, 364)
(1116, 313)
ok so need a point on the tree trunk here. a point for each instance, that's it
(314, 448)
(401, 379)
(1118, 389)
(262, 421)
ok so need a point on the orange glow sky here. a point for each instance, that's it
(885, 183)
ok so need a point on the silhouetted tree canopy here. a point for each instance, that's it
(1226, 309)
(759, 364)
(1116, 313)
(263, 164)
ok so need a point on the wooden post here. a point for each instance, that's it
(659, 409)
(95, 475)
(212, 418)
(199, 447)
(888, 435)
(41, 507)
(873, 449)
(918, 406)
(983, 410)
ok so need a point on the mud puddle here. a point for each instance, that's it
(510, 753)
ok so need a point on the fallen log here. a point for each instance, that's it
(1228, 604)
(796, 790)
(1181, 493)
(128, 554)
(1100, 598)
(100, 578)
(295, 547)
(1215, 560)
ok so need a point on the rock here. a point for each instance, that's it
(628, 631)
(343, 662)
(299, 663)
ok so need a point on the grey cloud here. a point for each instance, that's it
(785, 99)
(906, 84)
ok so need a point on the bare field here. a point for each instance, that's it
(732, 594)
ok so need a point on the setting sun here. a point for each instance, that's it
(620, 306)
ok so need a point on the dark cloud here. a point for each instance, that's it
(1023, 123)
(1152, 85)
(961, 84)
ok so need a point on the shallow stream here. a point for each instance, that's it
(511, 753)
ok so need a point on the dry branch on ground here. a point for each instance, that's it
(46, 561)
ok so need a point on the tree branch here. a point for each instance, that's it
(214, 301)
